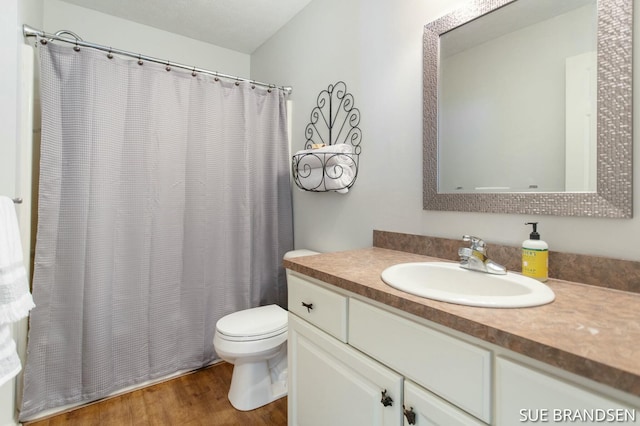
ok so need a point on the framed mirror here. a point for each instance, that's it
(528, 108)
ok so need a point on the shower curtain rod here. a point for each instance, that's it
(28, 31)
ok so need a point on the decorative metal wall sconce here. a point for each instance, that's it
(329, 161)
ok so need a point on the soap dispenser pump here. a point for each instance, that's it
(535, 256)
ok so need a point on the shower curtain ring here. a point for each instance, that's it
(76, 48)
(140, 60)
(193, 73)
(110, 55)
(237, 82)
(168, 67)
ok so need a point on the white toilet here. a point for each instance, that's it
(255, 342)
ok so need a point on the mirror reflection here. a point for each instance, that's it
(517, 100)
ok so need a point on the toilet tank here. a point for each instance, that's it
(299, 253)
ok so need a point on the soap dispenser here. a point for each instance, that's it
(535, 256)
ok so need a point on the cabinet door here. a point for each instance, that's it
(333, 384)
(525, 395)
(429, 410)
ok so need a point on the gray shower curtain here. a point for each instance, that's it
(164, 205)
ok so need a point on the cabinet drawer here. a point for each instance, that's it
(319, 306)
(525, 395)
(457, 371)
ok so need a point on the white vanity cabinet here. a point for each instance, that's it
(347, 354)
(332, 382)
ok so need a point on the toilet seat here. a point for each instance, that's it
(253, 324)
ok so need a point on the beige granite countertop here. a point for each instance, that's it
(588, 330)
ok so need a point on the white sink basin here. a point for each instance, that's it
(448, 282)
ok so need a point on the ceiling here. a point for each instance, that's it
(240, 25)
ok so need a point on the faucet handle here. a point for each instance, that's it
(476, 243)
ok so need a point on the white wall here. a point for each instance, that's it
(375, 46)
(8, 97)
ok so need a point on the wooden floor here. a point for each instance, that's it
(198, 398)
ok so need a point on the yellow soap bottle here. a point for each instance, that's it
(535, 256)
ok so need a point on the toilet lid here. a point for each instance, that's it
(256, 323)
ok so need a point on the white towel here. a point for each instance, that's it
(343, 148)
(15, 299)
(336, 178)
(338, 154)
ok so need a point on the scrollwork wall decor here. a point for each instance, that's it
(329, 161)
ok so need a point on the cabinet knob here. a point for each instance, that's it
(410, 415)
(386, 399)
(309, 306)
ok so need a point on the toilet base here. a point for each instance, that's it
(254, 384)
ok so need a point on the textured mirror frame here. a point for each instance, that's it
(614, 196)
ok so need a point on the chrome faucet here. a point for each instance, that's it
(475, 257)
